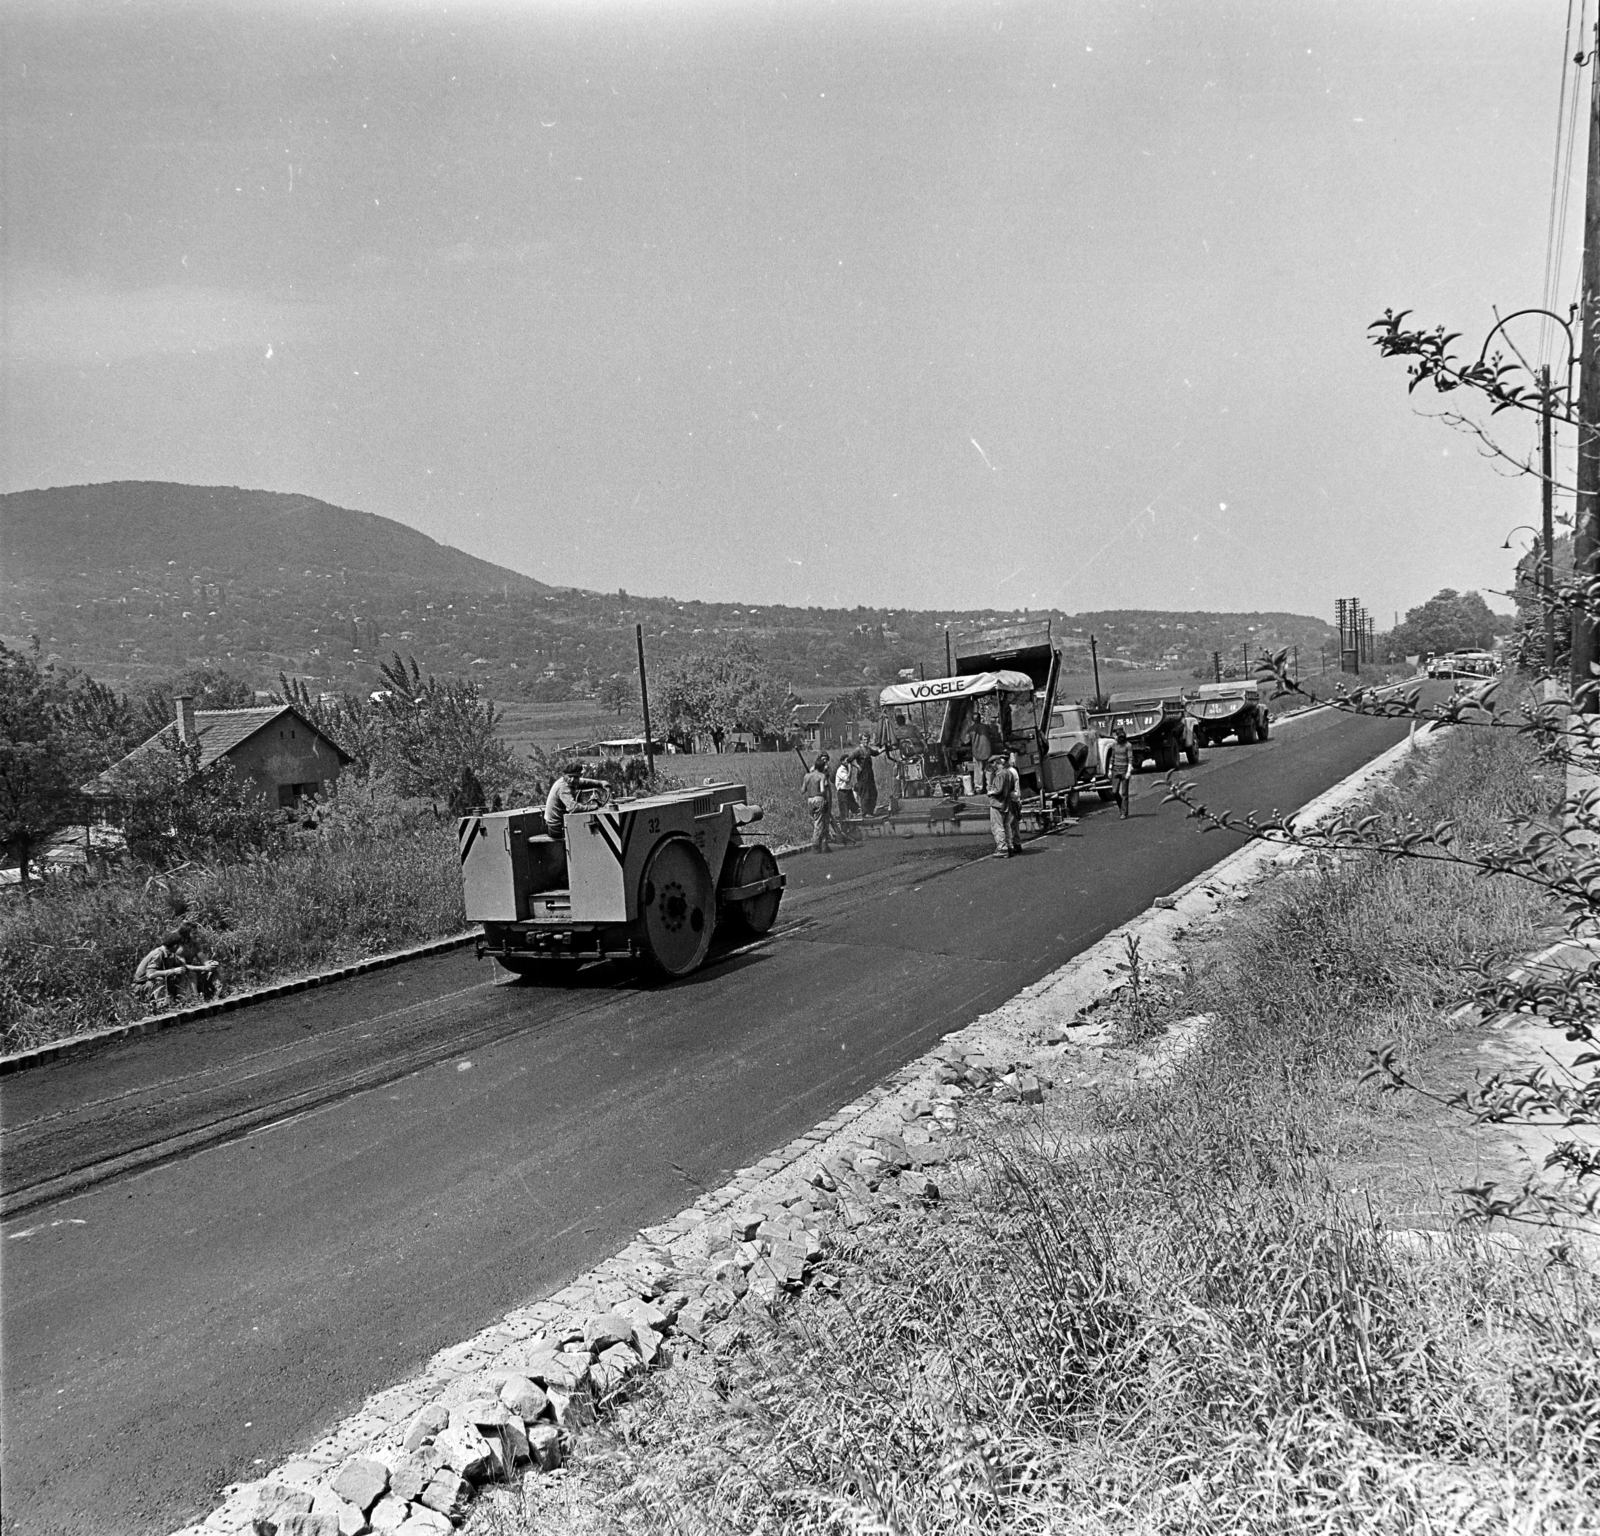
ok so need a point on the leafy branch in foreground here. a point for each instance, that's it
(1433, 360)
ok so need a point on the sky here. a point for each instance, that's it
(906, 303)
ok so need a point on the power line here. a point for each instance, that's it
(1551, 263)
(1567, 118)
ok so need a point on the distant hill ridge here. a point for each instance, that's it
(224, 531)
(137, 581)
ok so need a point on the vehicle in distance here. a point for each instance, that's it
(1463, 664)
(649, 879)
(1158, 728)
(1076, 741)
(1229, 709)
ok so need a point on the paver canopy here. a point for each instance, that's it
(933, 690)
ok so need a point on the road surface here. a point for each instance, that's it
(297, 1204)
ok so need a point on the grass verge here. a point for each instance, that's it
(1159, 1305)
(67, 956)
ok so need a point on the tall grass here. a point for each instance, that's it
(1161, 1310)
(67, 957)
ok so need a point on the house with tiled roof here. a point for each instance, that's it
(272, 746)
(819, 726)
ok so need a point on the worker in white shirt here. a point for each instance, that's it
(844, 793)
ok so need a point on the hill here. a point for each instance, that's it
(134, 582)
(223, 532)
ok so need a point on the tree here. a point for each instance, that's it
(433, 739)
(173, 811)
(1448, 621)
(38, 782)
(722, 691)
(618, 693)
(209, 687)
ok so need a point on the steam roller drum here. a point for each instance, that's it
(755, 914)
(677, 906)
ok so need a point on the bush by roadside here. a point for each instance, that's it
(1159, 1305)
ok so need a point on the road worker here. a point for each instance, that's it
(866, 777)
(844, 792)
(566, 796)
(817, 794)
(161, 975)
(1120, 768)
(999, 787)
(1013, 804)
(200, 970)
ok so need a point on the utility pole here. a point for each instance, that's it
(644, 703)
(1547, 496)
(1094, 661)
(1216, 664)
(949, 654)
(1586, 525)
(1244, 665)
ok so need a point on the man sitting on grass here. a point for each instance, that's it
(200, 972)
(160, 976)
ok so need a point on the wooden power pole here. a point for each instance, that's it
(644, 703)
(1547, 499)
(1586, 528)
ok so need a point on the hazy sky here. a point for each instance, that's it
(925, 304)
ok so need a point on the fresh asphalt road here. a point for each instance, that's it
(436, 1144)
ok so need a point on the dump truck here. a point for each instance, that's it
(1229, 709)
(1158, 728)
(651, 879)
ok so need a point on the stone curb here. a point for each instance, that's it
(151, 1023)
(378, 1430)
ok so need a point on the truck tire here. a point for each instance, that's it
(1192, 752)
(1167, 755)
(677, 907)
(1266, 726)
(1247, 732)
(756, 914)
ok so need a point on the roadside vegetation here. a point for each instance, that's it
(1178, 1304)
(368, 868)
(273, 894)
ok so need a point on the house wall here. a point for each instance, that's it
(285, 753)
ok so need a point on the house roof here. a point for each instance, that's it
(218, 732)
(811, 714)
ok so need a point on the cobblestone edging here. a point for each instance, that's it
(153, 1022)
(519, 1392)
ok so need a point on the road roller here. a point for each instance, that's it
(651, 880)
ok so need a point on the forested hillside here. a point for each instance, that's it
(136, 581)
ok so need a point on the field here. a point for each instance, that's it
(771, 778)
(550, 726)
